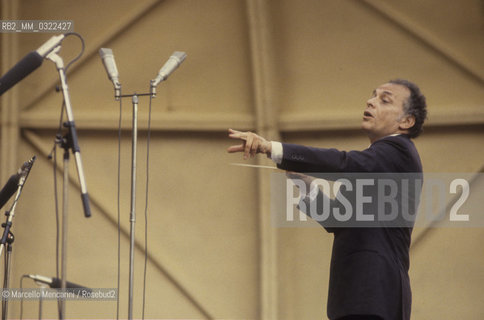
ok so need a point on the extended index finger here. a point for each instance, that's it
(234, 134)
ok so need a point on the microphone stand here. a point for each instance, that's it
(69, 141)
(132, 215)
(173, 62)
(8, 239)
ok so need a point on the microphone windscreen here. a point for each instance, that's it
(9, 189)
(22, 69)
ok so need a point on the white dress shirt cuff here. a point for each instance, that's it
(276, 154)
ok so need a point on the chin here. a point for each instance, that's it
(365, 126)
(367, 130)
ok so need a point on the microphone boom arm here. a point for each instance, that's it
(74, 145)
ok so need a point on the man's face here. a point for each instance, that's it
(384, 111)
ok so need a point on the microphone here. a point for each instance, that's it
(55, 283)
(9, 189)
(13, 182)
(107, 57)
(29, 63)
(171, 65)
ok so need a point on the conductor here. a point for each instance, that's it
(369, 265)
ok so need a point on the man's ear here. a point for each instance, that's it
(407, 122)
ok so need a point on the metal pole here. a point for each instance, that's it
(7, 279)
(132, 217)
(65, 203)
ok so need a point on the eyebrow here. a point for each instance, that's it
(384, 92)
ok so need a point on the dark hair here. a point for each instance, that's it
(415, 106)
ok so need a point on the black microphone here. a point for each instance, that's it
(9, 189)
(29, 63)
(13, 182)
(55, 283)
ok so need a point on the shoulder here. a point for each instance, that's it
(401, 141)
(401, 149)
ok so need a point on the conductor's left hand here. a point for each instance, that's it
(251, 144)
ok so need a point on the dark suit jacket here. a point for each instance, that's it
(369, 266)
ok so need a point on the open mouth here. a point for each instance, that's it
(367, 114)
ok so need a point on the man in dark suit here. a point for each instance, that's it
(369, 265)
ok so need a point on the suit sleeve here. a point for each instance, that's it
(379, 157)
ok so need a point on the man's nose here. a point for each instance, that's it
(369, 103)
